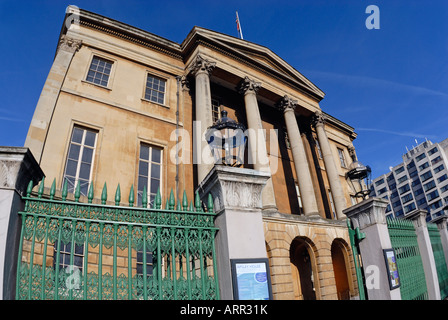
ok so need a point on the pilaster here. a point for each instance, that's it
(236, 194)
(370, 217)
(418, 217)
(43, 113)
(17, 168)
(441, 223)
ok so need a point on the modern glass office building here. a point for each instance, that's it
(419, 182)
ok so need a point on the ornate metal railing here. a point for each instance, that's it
(439, 257)
(409, 262)
(73, 250)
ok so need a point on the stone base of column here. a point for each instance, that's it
(418, 217)
(236, 194)
(441, 222)
(370, 217)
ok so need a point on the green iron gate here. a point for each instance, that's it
(439, 257)
(409, 262)
(72, 250)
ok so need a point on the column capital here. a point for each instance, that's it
(441, 221)
(286, 104)
(247, 86)
(318, 119)
(185, 84)
(369, 212)
(69, 44)
(418, 217)
(202, 65)
(352, 153)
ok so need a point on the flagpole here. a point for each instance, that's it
(238, 26)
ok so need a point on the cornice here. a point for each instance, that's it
(123, 31)
(329, 119)
(232, 47)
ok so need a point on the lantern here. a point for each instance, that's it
(227, 141)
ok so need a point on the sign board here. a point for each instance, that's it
(392, 268)
(251, 279)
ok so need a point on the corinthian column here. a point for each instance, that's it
(257, 143)
(202, 69)
(287, 105)
(330, 167)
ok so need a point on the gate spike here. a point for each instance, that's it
(40, 192)
(197, 202)
(104, 194)
(30, 188)
(167, 204)
(172, 202)
(53, 189)
(118, 196)
(65, 190)
(210, 203)
(131, 196)
(144, 198)
(78, 191)
(184, 202)
(90, 194)
(158, 199)
(191, 206)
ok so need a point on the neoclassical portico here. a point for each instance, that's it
(201, 68)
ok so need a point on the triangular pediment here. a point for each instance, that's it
(256, 54)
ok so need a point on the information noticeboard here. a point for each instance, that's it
(392, 269)
(251, 279)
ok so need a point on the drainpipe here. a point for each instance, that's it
(178, 78)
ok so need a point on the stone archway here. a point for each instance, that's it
(302, 257)
(340, 267)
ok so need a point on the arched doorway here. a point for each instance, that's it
(338, 256)
(301, 257)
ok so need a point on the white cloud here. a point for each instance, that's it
(399, 133)
(11, 119)
(370, 81)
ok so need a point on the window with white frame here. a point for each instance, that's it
(149, 172)
(155, 89)
(319, 151)
(81, 152)
(66, 254)
(216, 110)
(99, 71)
(299, 198)
(333, 210)
(140, 262)
(342, 158)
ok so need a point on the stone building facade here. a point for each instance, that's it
(120, 103)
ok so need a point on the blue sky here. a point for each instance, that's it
(390, 84)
